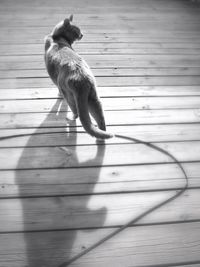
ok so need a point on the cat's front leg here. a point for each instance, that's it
(69, 98)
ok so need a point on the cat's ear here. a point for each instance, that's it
(66, 22)
(70, 18)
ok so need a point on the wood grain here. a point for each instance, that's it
(119, 154)
(98, 180)
(112, 72)
(125, 117)
(159, 242)
(128, 103)
(61, 190)
(73, 136)
(104, 91)
(34, 214)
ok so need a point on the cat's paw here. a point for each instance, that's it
(71, 117)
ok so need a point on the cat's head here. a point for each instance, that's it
(65, 29)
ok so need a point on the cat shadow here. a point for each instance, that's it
(50, 222)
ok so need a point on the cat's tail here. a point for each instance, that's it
(84, 104)
(83, 111)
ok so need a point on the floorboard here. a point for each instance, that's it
(177, 238)
(111, 179)
(62, 191)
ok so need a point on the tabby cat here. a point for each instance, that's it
(73, 77)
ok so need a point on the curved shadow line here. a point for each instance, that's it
(135, 219)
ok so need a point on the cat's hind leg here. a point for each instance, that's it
(96, 111)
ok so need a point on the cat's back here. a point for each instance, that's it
(65, 57)
(62, 58)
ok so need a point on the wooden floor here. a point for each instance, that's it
(60, 190)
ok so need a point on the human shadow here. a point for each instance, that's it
(51, 221)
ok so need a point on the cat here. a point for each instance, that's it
(73, 77)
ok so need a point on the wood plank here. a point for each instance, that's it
(128, 103)
(99, 9)
(84, 18)
(143, 26)
(35, 35)
(163, 244)
(43, 120)
(138, 14)
(114, 72)
(139, 7)
(113, 194)
(106, 81)
(99, 180)
(106, 51)
(25, 26)
(103, 32)
(187, 26)
(121, 63)
(95, 12)
(159, 249)
(103, 25)
(82, 47)
(176, 45)
(62, 137)
(138, 25)
(142, 10)
(72, 212)
(72, 156)
(104, 91)
(38, 58)
(105, 22)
